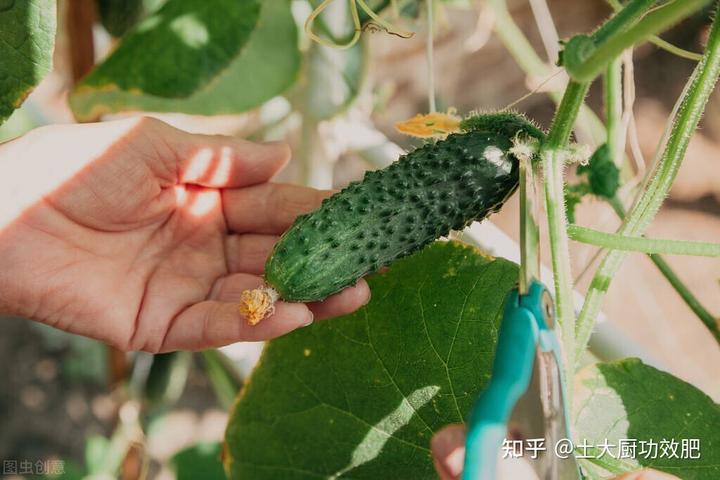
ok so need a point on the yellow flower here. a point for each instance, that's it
(430, 125)
(257, 304)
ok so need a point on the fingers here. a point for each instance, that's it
(216, 160)
(342, 303)
(269, 207)
(448, 451)
(247, 253)
(218, 321)
(231, 287)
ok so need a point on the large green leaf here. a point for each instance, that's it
(27, 38)
(633, 401)
(197, 57)
(360, 396)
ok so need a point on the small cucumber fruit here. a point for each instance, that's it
(397, 210)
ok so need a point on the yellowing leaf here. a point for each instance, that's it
(27, 37)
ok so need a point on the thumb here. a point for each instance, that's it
(448, 451)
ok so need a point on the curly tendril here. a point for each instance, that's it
(376, 25)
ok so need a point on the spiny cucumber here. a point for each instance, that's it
(397, 210)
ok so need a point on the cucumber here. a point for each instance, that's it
(395, 211)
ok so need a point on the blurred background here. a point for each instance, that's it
(71, 399)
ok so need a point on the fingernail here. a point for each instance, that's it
(309, 320)
(454, 461)
(369, 297)
(448, 447)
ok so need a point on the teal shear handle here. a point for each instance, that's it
(512, 371)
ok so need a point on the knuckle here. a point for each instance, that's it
(146, 121)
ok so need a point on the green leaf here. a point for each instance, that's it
(27, 39)
(197, 57)
(167, 378)
(360, 396)
(224, 377)
(602, 173)
(199, 461)
(180, 48)
(573, 197)
(630, 400)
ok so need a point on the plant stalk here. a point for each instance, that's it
(683, 123)
(553, 157)
(615, 241)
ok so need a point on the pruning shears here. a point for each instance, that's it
(524, 400)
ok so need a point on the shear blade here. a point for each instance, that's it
(537, 415)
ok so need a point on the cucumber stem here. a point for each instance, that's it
(616, 241)
(553, 156)
(683, 123)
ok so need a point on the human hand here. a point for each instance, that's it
(144, 236)
(448, 452)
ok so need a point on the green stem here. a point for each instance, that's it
(552, 155)
(689, 297)
(615, 41)
(660, 43)
(685, 120)
(641, 244)
(565, 115)
(626, 15)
